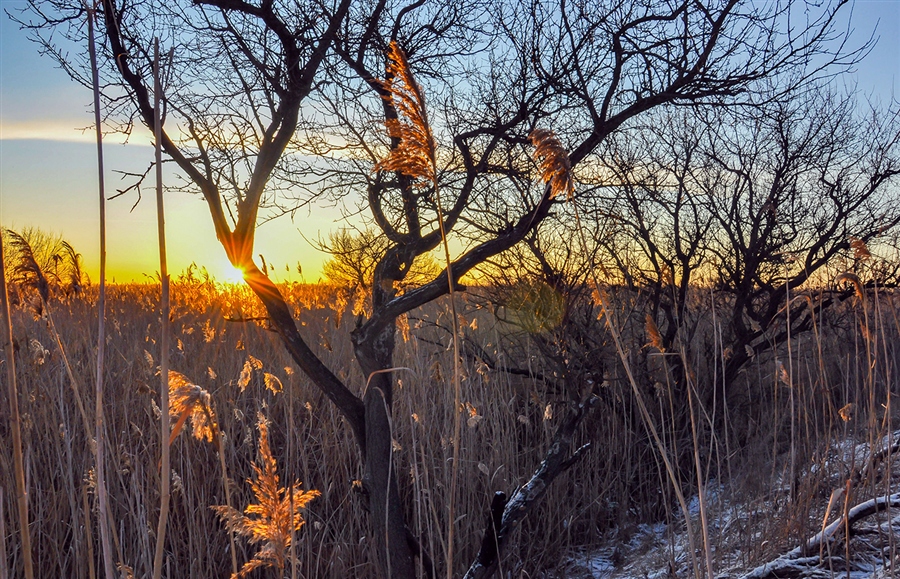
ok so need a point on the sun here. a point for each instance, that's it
(231, 274)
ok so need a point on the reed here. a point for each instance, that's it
(415, 156)
(164, 307)
(606, 495)
(272, 521)
(99, 426)
(15, 424)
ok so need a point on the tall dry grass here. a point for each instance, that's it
(788, 411)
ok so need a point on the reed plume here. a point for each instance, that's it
(414, 154)
(187, 400)
(30, 274)
(553, 160)
(26, 270)
(274, 517)
(73, 276)
(653, 334)
(853, 279)
(860, 249)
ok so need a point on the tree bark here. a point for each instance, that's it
(393, 552)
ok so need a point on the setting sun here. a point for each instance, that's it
(231, 274)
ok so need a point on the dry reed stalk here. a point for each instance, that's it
(74, 383)
(88, 534)
(191, 401)
(16, 423)
(100, 438)
(4, 570)
(165, 475)
(32, 276)
(701, 491)
(415, 156)
(556, 173)
(290, 452)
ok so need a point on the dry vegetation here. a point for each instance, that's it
(549, 411)
(772, 449)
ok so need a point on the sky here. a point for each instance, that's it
(48, 171)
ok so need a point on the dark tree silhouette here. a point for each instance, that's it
(253, 86)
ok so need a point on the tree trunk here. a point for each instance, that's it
(369, 418)
(392, 550)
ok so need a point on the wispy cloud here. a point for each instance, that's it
(49, 129)
(64, 130)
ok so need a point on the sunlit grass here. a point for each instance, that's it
(213, 346)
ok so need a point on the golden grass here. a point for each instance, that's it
(613, 489)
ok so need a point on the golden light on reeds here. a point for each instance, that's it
(187, 400)
(251, 365)
(553, 160)
(277, 513)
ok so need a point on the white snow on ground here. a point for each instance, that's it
(657, 552)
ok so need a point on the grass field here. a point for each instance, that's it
(770, 446)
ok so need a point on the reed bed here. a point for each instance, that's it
(774, 444)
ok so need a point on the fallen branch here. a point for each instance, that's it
(506, 514)
(797, 557)
(887, 449)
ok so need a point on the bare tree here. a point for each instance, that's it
(253, 84)
(753, 203)
(817, 177)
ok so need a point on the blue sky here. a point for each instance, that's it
(48, 176)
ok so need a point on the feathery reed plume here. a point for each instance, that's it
(276, 515)
(653, 333)
(846, 411)
(860, 249)
(853, 279)
(187, 400)
(27, 271)
(251, 365)
(73, 277)
(272, 383)
(414, 154)
(41, 262)
(29, 274)
(16, 422)
(553, 159)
